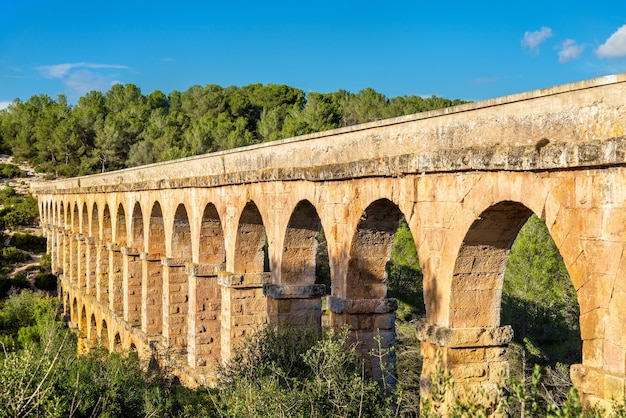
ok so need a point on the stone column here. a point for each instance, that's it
(175, 302)
(244, 308)
(295, 305)
(597, 386)
(368, 320)
(151, 293)
(132, 279)
(474, 357)
(116, 288)
(203, 317)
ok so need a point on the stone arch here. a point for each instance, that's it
(121, 237)
(82, 325)
(117, 343)
(296, 301)
(75, 219)
(107, 224)
(211, 249)
(153, 271)
(370, 251)
(93, 330)
(366, 307)
(74, 312)
(104, 334)
(84, 225)
(300, 245)
(175, 283)
(250, 256)
(94, 226)
(478, 273)
(137, 227)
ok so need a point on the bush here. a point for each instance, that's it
(19, 212)
(28, 242)
(11, 255)
(293, 373)
(46, 281)
(11, 171)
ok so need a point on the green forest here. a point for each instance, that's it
(279, 373)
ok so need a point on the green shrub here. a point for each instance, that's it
(28, 242)
(46, 281)
(11, 255)
(10, 171)
(19, 212)
(292, 373)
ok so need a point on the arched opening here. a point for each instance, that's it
(371, 249)
(506, 273)
(251, 251)
(83, 321)
(133, 348)
(479, 269)
(117, 343)
(211, 238)
(367, 308)
(297, 300)
(175, 282)
(104, 335)
(74, 313)
(134, 267)
(251, 265)
(153, 268)
(540, 303)
(92, 334)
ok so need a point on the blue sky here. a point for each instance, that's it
(455, 49)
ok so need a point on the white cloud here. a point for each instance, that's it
(569, 50)
(79, 78)
(532, 40)
(615, 46)
(4, 105)
(62, 70)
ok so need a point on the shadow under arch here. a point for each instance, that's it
(475, 298)
(366, 307)
(297, 299)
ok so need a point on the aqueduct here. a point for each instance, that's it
(170, 258)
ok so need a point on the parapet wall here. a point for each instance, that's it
(574, 125)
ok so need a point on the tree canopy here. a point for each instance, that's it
(125, 128)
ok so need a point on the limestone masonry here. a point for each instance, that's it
(168, 259)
